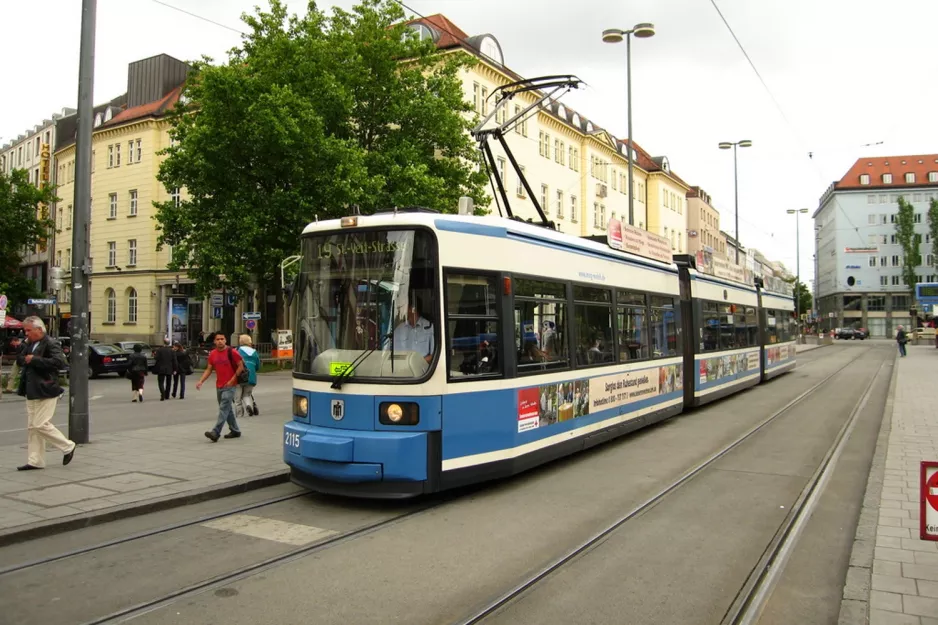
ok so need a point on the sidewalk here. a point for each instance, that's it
(893, 575)
(123, 473)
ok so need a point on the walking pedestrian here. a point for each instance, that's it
(183, 368)
(165, 367)
(40, 360)
(227, 365)
(137, 373)
(901, 340)
(244, 394)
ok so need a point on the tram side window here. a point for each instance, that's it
(592, 318)
(633, 326)
(711, 326)
(663, 327)
(752, 326)
(739, 321)
(727, 333)
(540, 325)
(784, 325)
(472, 326)
(771, 332)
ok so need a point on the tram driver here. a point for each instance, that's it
(415, 334)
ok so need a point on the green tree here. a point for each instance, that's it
(909, 240)
(802, 297)
(310, 116)
(933, 230)
(22, 228)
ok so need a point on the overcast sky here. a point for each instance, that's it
(845, 74)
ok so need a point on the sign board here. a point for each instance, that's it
(250, 324)
(831, 315)
(3, 302)
(861, 250)
(232, 299)
(216, 312)
(218, 299)
(621, 236)
(250, 315)
(928, 523)
(35, 301)
(3, 317)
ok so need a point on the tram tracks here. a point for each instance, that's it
(751, 598)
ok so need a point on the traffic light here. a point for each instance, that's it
(56, 283)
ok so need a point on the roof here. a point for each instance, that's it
(150, 109)
(898, 166)
(451, 36)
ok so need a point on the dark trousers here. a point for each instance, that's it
(163, 380)
(902, 349)
(179, 381)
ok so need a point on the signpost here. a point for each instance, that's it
(33, 301)
(928, 523)
(250, 315)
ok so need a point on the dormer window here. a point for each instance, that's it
(419, 32)
(490, 48)
(589, 126)
(576, 120)
(108, 114)
(561, 112)
(97, 120)
(910, 177)
(933, 176)
(864, 179)
(887, 178)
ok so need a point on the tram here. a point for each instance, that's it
(433, 351)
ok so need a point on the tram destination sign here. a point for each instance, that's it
(621, 236)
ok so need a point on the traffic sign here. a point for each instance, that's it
(218, 299)
(250, 324)
(41, 301)
(250, 315)
(232, 299)
(928, 523)
(216, 312)
(3, 317)
(3, 302)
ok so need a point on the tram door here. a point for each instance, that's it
(690, 335)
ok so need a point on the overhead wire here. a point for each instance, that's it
(195, 15)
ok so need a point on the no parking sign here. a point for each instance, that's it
(929, 497)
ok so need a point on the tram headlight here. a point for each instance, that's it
(399, 413)
(300, 406)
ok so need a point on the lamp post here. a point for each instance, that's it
(792, 211)
(726, 145)
(616, 35)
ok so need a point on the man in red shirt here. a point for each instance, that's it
(227, 364)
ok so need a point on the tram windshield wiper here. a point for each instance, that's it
(346, 373)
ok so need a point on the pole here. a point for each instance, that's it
(78, 376)
(797, 267)
(628, 73)
(736, 192)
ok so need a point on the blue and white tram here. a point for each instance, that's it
(433, 351)
(780, 330)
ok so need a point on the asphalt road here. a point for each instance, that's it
(681, 561)
(111, 410)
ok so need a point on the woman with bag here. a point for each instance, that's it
(183, 368)
(137, 373)
(244, 392)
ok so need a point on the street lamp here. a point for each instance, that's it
(792, 211)
(616, 35)
(726, 145)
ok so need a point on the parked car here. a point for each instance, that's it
(104, 358)
(147, 350)
(861, 333)
(845, 333)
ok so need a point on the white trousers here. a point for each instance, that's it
(41, 431)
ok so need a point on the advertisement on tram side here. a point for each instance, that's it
(775, 355)
(547, 404)
(713, 369)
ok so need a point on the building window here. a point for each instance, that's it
(872, 261)
(139, 150)
(110, 156)
(595, 214)
(69, 216)
(871, 218)
(517, 123)
(884, 281)
(876, 303)
(929, 261)
(540, 143)
(559, 203)
(131, 305)
(883, 261)
(519, 188)
(58, 258)
(112, 253)
(887, 178)
(893, 240)
(602, 216)
(130, 152)
(917, 218)
(174, 195)
(485, 100)
(117, 155)
(111, 300)
(476, 101)
(131, 252)
(895, 280)
(895, 260)
(68, 261)
(545, 141)
(563, 153)
(933, 176)
(556, 150)
(864, 179)
(112, 210)
(910, 177)
(132, 212)
(573, 209)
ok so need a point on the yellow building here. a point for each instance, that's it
(703, 222)
(667, 199)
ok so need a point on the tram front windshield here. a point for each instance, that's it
(366, 304)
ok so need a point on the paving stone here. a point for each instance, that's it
(881, 617)
(920, 606)
(917, 544)
(896, 584)
(897, 532)
(880, 600)
(60, 495)
(888, 541)
(894, 555)
(889, 569)
(927, 589)
(931, 559)
(127, 482)
(857, 583)
(920, 571)
(57, 512)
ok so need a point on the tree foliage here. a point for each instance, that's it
(802, 298)
(310, 116)
(22, 228)
(933, 230)
(905, 235)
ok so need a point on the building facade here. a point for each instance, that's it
(858, 272)
(703, 224)
(667, 205)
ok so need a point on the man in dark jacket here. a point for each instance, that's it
(165, 367)
(901, 339)
(40, 360)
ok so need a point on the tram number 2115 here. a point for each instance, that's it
(291, 439)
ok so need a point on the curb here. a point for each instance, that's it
(855, 604)
(98, 517)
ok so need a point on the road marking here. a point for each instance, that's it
(269, 529)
